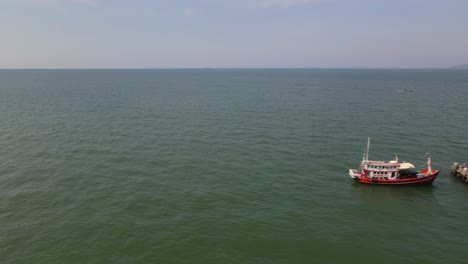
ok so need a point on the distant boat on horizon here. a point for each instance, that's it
(404, 91)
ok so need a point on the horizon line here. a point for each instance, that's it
(231, 68)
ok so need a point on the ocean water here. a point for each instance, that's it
(228, 166)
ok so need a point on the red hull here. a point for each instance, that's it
(412, 181)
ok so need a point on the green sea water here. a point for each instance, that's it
(228, 166)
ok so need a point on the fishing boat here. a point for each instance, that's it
(392, 172)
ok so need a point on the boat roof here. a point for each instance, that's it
(390, 163)
(406, 165)
(382, 162)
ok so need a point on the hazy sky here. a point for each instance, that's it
(232, 33)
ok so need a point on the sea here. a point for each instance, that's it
(229, 166)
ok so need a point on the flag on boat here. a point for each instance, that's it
(428, 155)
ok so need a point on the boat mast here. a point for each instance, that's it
(429, 169)
(367, 150)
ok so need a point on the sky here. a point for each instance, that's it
(233, 33)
